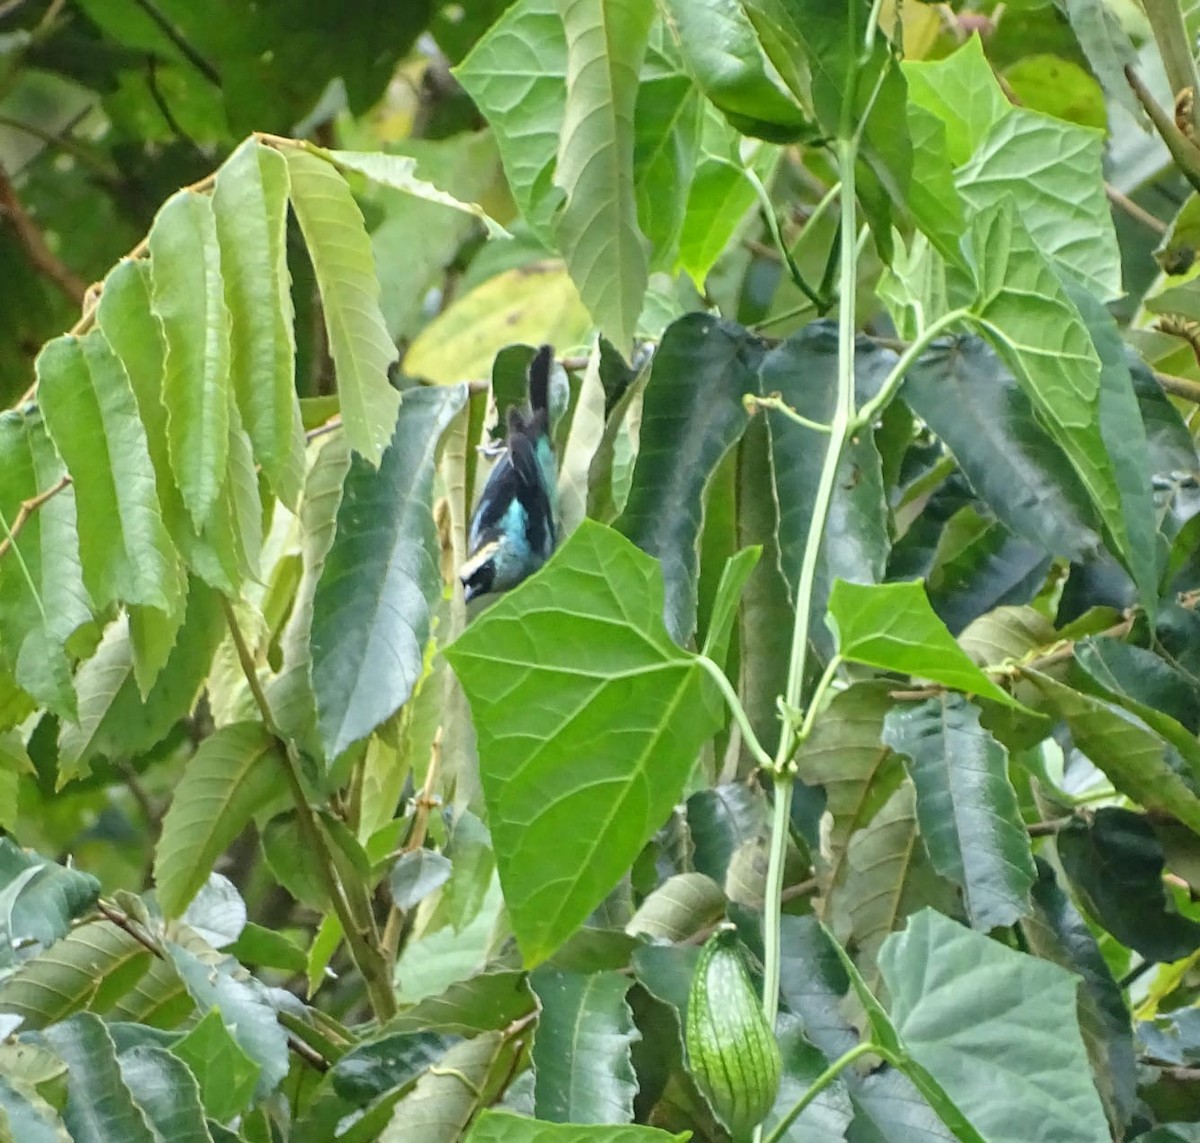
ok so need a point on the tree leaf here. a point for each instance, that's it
(587, 629)
(692, 414)
(227, 1075)
(1107, 47)
(167, 1093)
(680, 906)
(341, 256)
(718, 200)
(417, 874)
(504, 1127)
(1116, 865)
(597, 227)
(38, 900)
(487, 1002)
(996, 1028)
(188, 297)
(24, 1115)
(230, 777)
(964, 393)
(966, 806)
(250, 200)
(380, 578)
(892, 626)
(99, 1107)
(581, 1060)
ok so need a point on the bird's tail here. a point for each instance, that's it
(539, 381)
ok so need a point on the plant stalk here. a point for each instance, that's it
(819, 1085)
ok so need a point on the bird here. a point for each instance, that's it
(514, 528)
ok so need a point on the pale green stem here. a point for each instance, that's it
(816, 701)
(820, 1084)
(887, 390)
(777, 403)
(738, 711)
(773, 905)
(768, 209)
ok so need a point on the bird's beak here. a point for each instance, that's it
(469, 591)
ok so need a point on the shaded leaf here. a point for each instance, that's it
(504, 1127)
(38, 900)
(166, 1092)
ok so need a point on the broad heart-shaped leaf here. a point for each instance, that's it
(38, 900)
(855, 543)
(250, 200)
(1050, 351)
(166, 1091)
(1056, 932)
(340, 251)
(581, 1050)
(1138, 761)
(892, 626)
(967, 808)
(726, 56)
(504, 1127)
(42, 597)
(964, 393)
(99, 1105)
(86, 398)
(692, 414)
(997, 1028)
(188, 296)
(232, 774)
(589, 719)
(400, 173)
(380, 578)
(1116, 865)
(597, 228)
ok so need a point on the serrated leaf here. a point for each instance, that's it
(400, 173)
(100, 1108)
(371, 610)
(597, 227)
(188, 297)
(996, 1028)
(692, 414)
(892, 626)
(166, 1092)
(250, 200)
(341, 256)
(587, 629)
(92, 961)
(581, 1052)
(967, 808)
(232, 774)
(226, 1074)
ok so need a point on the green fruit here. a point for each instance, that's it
(732, 1051)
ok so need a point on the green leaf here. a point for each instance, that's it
(581, 1053)
(892, 626)
(1049, 349)
(718, 200)
(726, 56)
(89, 406)
(932, 197)
(967, 808)
(227, 1075)
(587, 629)
(1116, 865)
(692, 414)
(682, 905)
(1137, 761)
(1056, 932)
(597, 227)
(829, 1115)
(996, 1028)
(1006, 635)
(100, 1108)
(91, 965)
(963, 392)
(250, 200)
(400, 173)
(232, 775)
(855, 543)
(371, 610)
(188, 297)
(245, 1011)
(504, 1127)
(516, 75)
(1107, 46)
(415, 875)
(42, 597)
(341, 256)
(484, 1003)
(25, 1116)
(166, 1092)
(38, 900)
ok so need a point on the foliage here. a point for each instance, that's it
(870, 639)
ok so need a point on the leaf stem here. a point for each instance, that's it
(775, 401)
(820, 1084)
(818, 695)
(768, 209)
(738, 711)
(368, 958)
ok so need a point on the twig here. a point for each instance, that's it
(27, 509)
(1049, 828)
(44, 260)
(1179, 386)
(1134, 211)
(179, 40)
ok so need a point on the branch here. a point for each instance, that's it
(1170, 33)
(28, 508)
(32, 241)
(1179, 386)
(177, 38)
